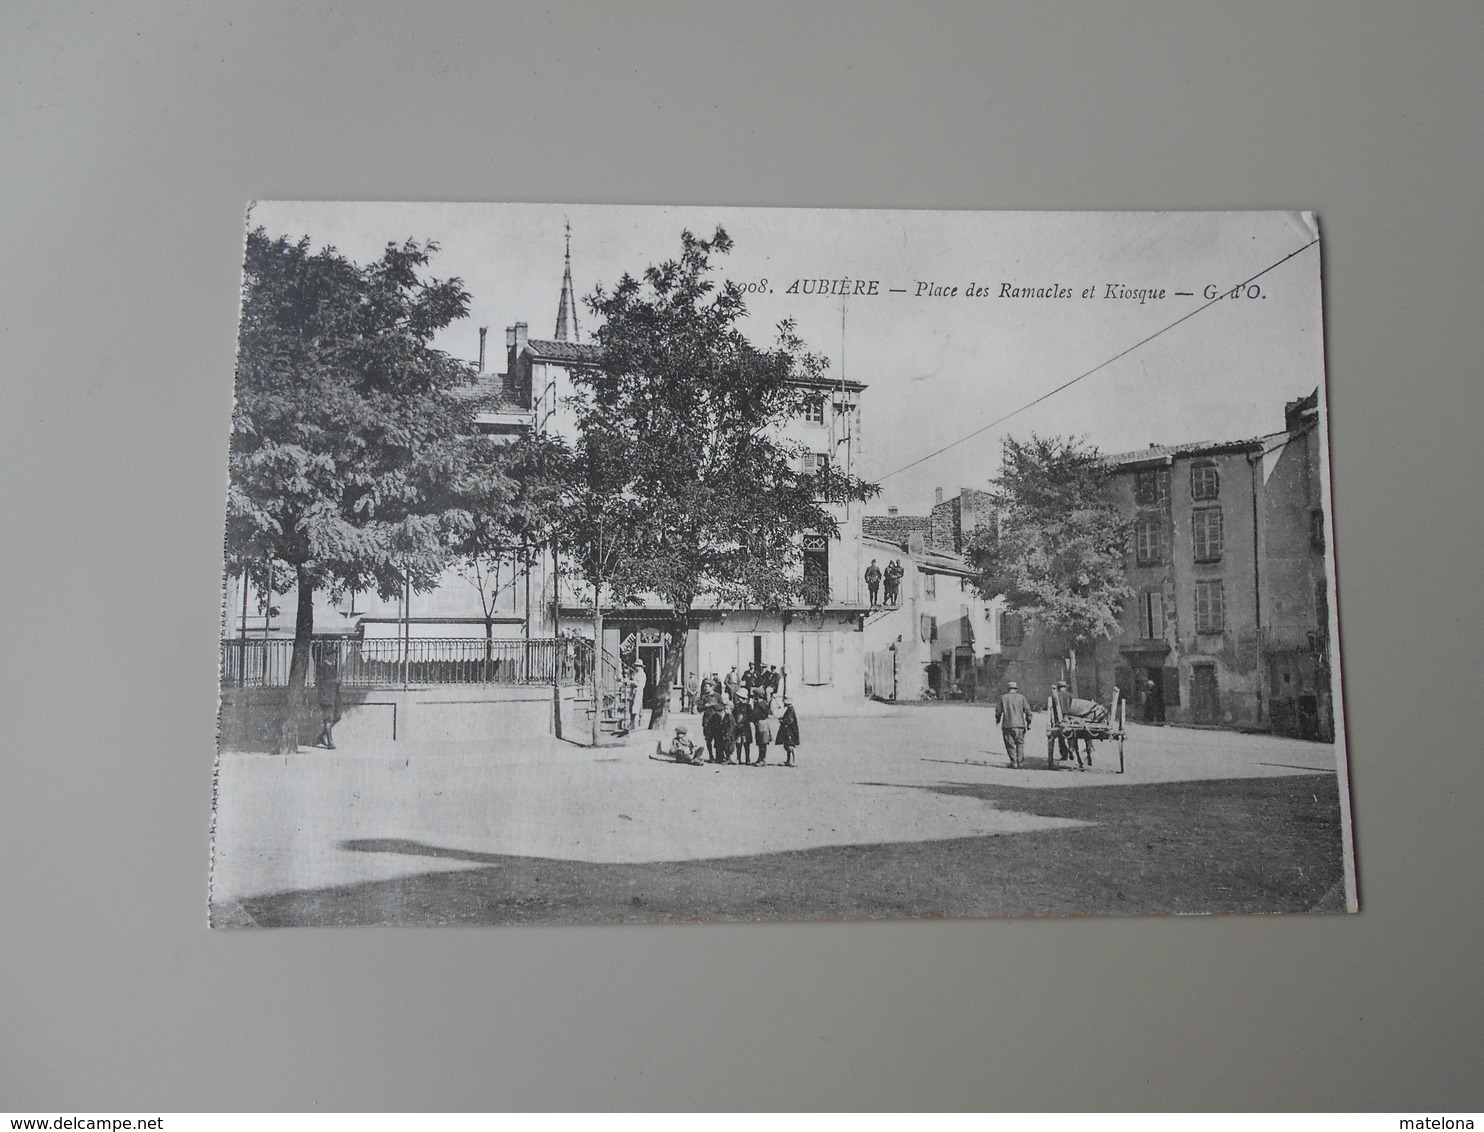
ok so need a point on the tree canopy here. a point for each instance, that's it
(686, 486)
(1056, 555)
(350, 462)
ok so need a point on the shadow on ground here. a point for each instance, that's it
(1235, 845)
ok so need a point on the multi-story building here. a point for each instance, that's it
(1229, 623)
(818, 644)
(941, 638)
(937, 637)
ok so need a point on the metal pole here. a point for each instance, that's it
(557, 653)
(242, 648)
(598, 639)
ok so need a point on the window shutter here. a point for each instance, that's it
(817, 659)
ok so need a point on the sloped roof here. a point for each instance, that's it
(896, 529)
(1164, 453)
(932, 560)
(547, 349)
(488, 394)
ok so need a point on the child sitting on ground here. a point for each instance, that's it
(682, 750)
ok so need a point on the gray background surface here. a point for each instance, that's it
(131, 136)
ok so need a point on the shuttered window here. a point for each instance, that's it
(1152, 615)
(1149, 540)
(816, 659)
(1210, 607)
(1205, 481)
(1152, 487)
(1206, 534)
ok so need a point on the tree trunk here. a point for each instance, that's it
(1072, 668)
(660, 715)
(288, 736)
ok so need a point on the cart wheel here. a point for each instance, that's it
(1120, 754)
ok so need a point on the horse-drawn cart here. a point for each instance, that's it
(1083, 720)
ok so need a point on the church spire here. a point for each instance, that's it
(567, 310)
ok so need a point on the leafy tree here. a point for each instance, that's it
(685, 486)
(512, 494)
(347, 449)
(1056, 554)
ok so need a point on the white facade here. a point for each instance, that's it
(819, 646)
(939, 619)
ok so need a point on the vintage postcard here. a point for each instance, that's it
(594, 564)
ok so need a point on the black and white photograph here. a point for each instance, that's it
(604, 564)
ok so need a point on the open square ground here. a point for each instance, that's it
(911, 811)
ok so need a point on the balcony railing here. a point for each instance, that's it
(396, 663)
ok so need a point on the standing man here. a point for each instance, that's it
(327, 693)
(692, 689)
(1013, 714)
(742, 731)
(641, 681)
(873, 581)
(1062, 698)
(788, 731)
(730, 685)
(762, 724)
(893, 579)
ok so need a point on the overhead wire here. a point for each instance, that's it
(1101, 365)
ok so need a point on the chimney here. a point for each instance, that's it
(891, 510)
(937, 496)
(483, 330)
(515, 342)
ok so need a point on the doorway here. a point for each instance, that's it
(1205, 700)
(1154, 695)
(650, 653)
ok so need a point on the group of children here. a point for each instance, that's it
(736, 719)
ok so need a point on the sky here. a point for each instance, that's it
(939, 366)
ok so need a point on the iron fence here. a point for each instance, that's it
(396, 662)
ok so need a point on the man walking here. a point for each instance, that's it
(1062, 703)
(1013, 714)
